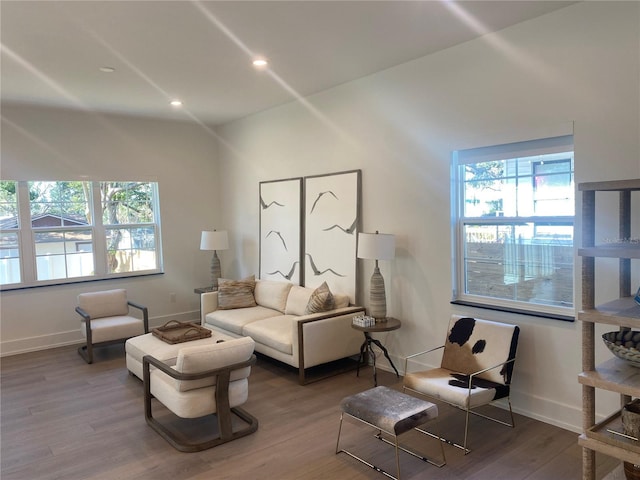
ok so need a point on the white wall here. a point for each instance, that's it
(51, 144)
(400, 125)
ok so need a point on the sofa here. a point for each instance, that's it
(299, 326)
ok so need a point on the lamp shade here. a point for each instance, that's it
(214, 240)
(376, 246)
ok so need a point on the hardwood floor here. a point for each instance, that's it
(64, 419)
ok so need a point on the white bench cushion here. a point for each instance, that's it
(235, 320)
(194, 403)
(272, 294)
(274, 332)
(200, 358)
(111, 328)
(107, 303)
(297, 300)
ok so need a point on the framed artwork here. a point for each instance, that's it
(281, 230)
(332, 222)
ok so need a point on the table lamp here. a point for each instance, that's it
(214, 241)
(377, 246)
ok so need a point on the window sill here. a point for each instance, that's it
(564, 318)
(8, 288)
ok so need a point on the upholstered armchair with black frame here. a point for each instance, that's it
(106, 320)
(205, 388)
(476, 368)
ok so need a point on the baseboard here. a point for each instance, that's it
(74, 337)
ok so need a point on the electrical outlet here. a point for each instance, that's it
(172, 297)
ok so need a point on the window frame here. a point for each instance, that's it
(459, 222)
(27, 234)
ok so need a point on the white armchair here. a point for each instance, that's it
(206, 381)
(106, 320)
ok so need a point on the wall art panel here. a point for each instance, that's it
(281, 230)
(332, 223)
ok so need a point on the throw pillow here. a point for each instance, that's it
(321, 300)
(236, 293)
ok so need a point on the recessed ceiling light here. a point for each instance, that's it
(260, 63)
(176, 103)
(106, 69)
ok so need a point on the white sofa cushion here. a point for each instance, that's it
(341, 301)
(109, 303)
(234, 320)
(194, 403)
(297, 300)
(274, 332)
(112, 328)
(201, 358)
(272, 294)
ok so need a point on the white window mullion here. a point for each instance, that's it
(27, 244)
(99, 244)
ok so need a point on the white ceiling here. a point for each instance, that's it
(200, 52)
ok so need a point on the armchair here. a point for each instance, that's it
(476, 369)
(106, 320)
(207, 383)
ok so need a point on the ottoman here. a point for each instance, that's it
(391, 412)
(149, 344)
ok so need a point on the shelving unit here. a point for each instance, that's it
(614, 375)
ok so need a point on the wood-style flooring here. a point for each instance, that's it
(64, 419)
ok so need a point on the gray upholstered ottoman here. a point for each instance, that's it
(391, 412)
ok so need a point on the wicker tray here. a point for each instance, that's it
(178, 332)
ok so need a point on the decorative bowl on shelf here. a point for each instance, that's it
(624, 345)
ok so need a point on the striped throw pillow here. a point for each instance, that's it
(236, 293)
(321, 300)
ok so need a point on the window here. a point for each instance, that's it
(9, 240)
(513, 221)
(59, 220)
(77, 231)
(130, 230)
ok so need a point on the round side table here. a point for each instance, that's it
(387, 325)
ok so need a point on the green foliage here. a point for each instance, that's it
(126, 202)
(484, 174)
(8, 205)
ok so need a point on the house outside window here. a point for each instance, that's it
(513, 211)
(60, 215)
(77, 231)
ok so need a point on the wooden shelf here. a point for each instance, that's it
(610, 186)
(607, 449)
(614, 250)
(602, 432)
(624, 312)
(614, 375)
